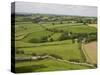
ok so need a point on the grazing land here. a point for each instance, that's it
(60, 37)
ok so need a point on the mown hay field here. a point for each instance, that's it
(91, 50)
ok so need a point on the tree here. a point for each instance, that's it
(73, 40)
(44, 39)
(34, 54)
(63, 36)
(84, 23)
(51, 39)
(36, 20)
(53, 23)
(61, 22)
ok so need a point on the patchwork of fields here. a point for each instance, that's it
(34, 39)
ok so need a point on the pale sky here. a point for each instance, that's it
(43, 8)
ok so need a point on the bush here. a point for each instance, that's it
(51, 39)
(22, 52)
(43, 54)
(74, 60)
(73, 40)
(34, 54)
(53, 23)
(34, 40)
(63, 36)
(95, 65)
(61, 22)
(56, 56)
(19, 52)
(44, 39)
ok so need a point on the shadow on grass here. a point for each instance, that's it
(32, 68)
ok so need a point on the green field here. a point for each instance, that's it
(46, 65)
(47, 39)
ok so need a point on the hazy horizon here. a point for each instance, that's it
(58, 9)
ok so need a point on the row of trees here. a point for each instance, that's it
(55, 18)
(69, 35)
(77, 20)
(86, 37)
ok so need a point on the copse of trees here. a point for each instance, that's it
(36, 20)
(86, 20)
(63, 36)
(86, 37)
(91, 38)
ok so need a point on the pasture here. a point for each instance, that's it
(57, 38)
(46, 65)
